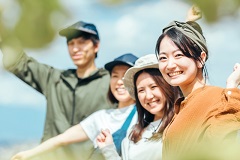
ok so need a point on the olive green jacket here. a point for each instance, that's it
(69, 99)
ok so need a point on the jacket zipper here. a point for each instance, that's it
(73, 106)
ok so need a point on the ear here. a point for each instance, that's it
(97, 47)
(203, 59)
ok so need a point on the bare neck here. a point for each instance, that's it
(125, 104)
(189, 88)
(158, 116)
(85, 71)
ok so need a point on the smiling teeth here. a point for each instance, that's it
(175, 73)
(152, 103)
(121, 89)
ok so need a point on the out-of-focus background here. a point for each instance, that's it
(124, 26)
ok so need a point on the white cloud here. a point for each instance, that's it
(223, 39)
(136, 28)
(15, 92)
(126, 29)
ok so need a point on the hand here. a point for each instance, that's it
(234, 78)
(11, 50)
(21, 156)
(194, 13)
(104, 138)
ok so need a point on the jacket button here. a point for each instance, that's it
(229, 92)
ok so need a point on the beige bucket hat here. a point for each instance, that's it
(144, 62)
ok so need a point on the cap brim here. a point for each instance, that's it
(109, 66)
(70, 32)
(129, 77)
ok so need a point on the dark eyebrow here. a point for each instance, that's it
(171, 52)
(161, 53)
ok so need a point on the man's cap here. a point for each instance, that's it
(79, 27)
(125, 59)
(144, 62)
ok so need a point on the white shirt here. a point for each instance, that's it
(144, 149)
(111, 119)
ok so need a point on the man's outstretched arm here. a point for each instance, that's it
(11, 50)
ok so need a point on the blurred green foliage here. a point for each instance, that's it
(214, 10)
(36, 20)
(34, 26)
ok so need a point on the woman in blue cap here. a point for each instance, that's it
(90, 127)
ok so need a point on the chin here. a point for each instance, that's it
(122, 98)
(173, 83)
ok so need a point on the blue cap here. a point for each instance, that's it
(125, 59)
(79, 27)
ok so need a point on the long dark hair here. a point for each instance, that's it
(144, 117)
(185, 44)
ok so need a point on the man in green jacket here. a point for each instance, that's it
(71, 94)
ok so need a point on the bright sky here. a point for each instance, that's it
(132, 27)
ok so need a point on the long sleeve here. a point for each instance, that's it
(225, 123)
(35, 74)
(110, 152)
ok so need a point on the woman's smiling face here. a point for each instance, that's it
(176, 68)
(150, 95)
(116, 83)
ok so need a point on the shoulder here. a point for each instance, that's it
(102, 112)
(103, 72)
(99, 75)
(213, 88)
(209, 91)
(68, 72)
(222, 91)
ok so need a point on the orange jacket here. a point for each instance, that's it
(208, 114)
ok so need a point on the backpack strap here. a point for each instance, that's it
(129, 119)
(120, 134)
